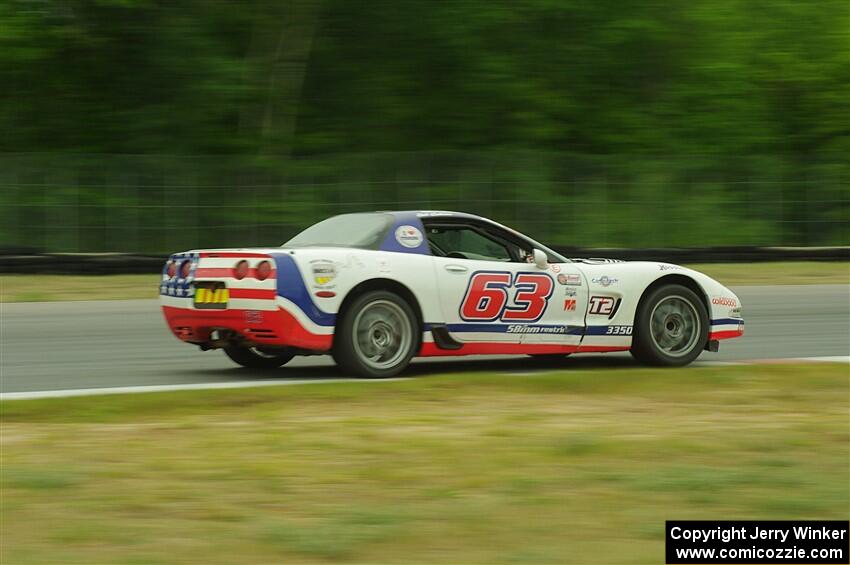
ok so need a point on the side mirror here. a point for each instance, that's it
(540, 259)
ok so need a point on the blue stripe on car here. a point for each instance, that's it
(503, 328)
(290, 285)
(726, 321)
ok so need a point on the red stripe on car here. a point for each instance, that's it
(725, 334)
(218, 272)
(602, 348)
(431, 350)
(237, 254)
(260, 293)
(226, 272)
(495, 348)
(195, 325)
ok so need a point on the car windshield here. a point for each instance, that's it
(363, 231)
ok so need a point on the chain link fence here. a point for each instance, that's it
(159, 204)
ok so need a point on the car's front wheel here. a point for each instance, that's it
(377, 335)
(258, 357)
(671, 327)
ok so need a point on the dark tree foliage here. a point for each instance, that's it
(729, 113)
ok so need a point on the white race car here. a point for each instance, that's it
(376, 289)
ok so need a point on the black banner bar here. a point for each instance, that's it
(753, 541)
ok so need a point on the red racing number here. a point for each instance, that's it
(532, 296)
(487, 297)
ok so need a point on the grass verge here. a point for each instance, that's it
(45, 288)
(791, 272)
(579, 466)
(50, 288)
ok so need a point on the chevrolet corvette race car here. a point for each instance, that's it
(376, 289)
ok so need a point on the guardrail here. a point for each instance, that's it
(29, 261)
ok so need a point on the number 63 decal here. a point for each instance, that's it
(487, 298)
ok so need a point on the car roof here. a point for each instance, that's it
(415, 217)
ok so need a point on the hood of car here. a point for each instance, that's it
(595, 260)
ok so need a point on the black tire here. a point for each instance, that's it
(257, 357)
(678, 333)
(389, 336)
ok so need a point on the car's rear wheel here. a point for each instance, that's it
(671, 327)
(377, 335)
(258, 357)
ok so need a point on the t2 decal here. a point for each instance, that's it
(601, 305)
(487, 298)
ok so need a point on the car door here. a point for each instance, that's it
(490, 293)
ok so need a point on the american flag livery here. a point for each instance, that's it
(177, 286)
(298, 299)
(212, 297)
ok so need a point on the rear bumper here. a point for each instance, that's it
(258, 327)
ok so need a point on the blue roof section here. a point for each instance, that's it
(413, 218)
(402, 220)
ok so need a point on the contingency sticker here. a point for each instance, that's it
(408, 236)
(323, 271)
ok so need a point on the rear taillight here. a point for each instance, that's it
(171, 270)
(185, 267)
(240, 271)
(264, 269)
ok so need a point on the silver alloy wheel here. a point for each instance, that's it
(382, 334)
(675, 326)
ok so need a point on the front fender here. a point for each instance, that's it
(629, 282)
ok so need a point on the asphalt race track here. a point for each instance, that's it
(81, 345)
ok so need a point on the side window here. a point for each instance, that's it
(463, 242)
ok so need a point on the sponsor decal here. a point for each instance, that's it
(724, 301)
(555, 268)
(569, 291)
(323, 271)
(572, 280)
(486, 298)
(433, 214)
(669, 267)
(526, 329)
(408, 236)
(569, 304)
(619, 330)
(253, 317)
(602, 305)
(605, 280)
(516, 328)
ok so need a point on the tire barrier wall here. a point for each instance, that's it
(30, 261)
